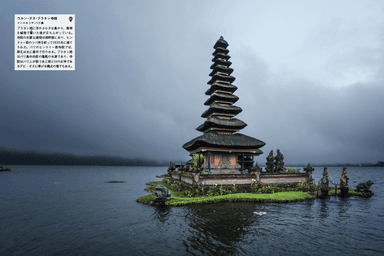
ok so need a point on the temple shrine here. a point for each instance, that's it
(225, 150)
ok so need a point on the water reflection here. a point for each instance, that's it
(324, 209)
(220, 228)
(302, 228)
(162, 213)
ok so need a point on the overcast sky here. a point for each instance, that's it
(310, 76)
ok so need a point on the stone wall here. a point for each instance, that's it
(186, 180)
(263, 179)
(282, 180)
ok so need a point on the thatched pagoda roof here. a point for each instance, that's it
(222, 56)
(232, 123)
(221, 62)
(220, 50)
(222, 87)
(220, 77)
(221, 43)
(216, 108)
(222, 69)
(215, 140)
(221, 97)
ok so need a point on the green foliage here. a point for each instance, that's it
(278, 189)
(234, 189)
(315, 187)
(219, 194)
(198, 159)
(204, 173)
(211, 192)
(188, 193)
(222, 191)
(255, 187)
(301, 187)
(267, 190)
(289, 170)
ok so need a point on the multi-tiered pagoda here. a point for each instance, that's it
(225, 151)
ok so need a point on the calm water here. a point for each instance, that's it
(70, 210)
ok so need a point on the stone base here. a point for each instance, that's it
(322, 193)
(344, 192)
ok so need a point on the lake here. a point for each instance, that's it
(70, 210)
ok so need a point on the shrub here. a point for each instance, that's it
(277, 189)
(315, 187)
(234, 189)
(221, 190)
(200, 191)
(188, 193)
(289, 170)
(211, 192)
(301, 187)
(255, 187)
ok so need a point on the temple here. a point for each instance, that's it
(225, 150)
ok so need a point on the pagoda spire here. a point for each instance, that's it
(222, 146)
(221, 112)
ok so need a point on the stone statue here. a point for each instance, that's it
(279, 164)
(162, 194)
(344, 183)
(345, 172)
(324, 184)
(325, 174)
(270, 163)
(171, 168)
(308, 170)
(364, 187)
(256, 168)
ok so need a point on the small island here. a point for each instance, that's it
(184, 194)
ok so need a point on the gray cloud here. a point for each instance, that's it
(142, 70)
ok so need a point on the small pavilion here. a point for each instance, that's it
(225, 150)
